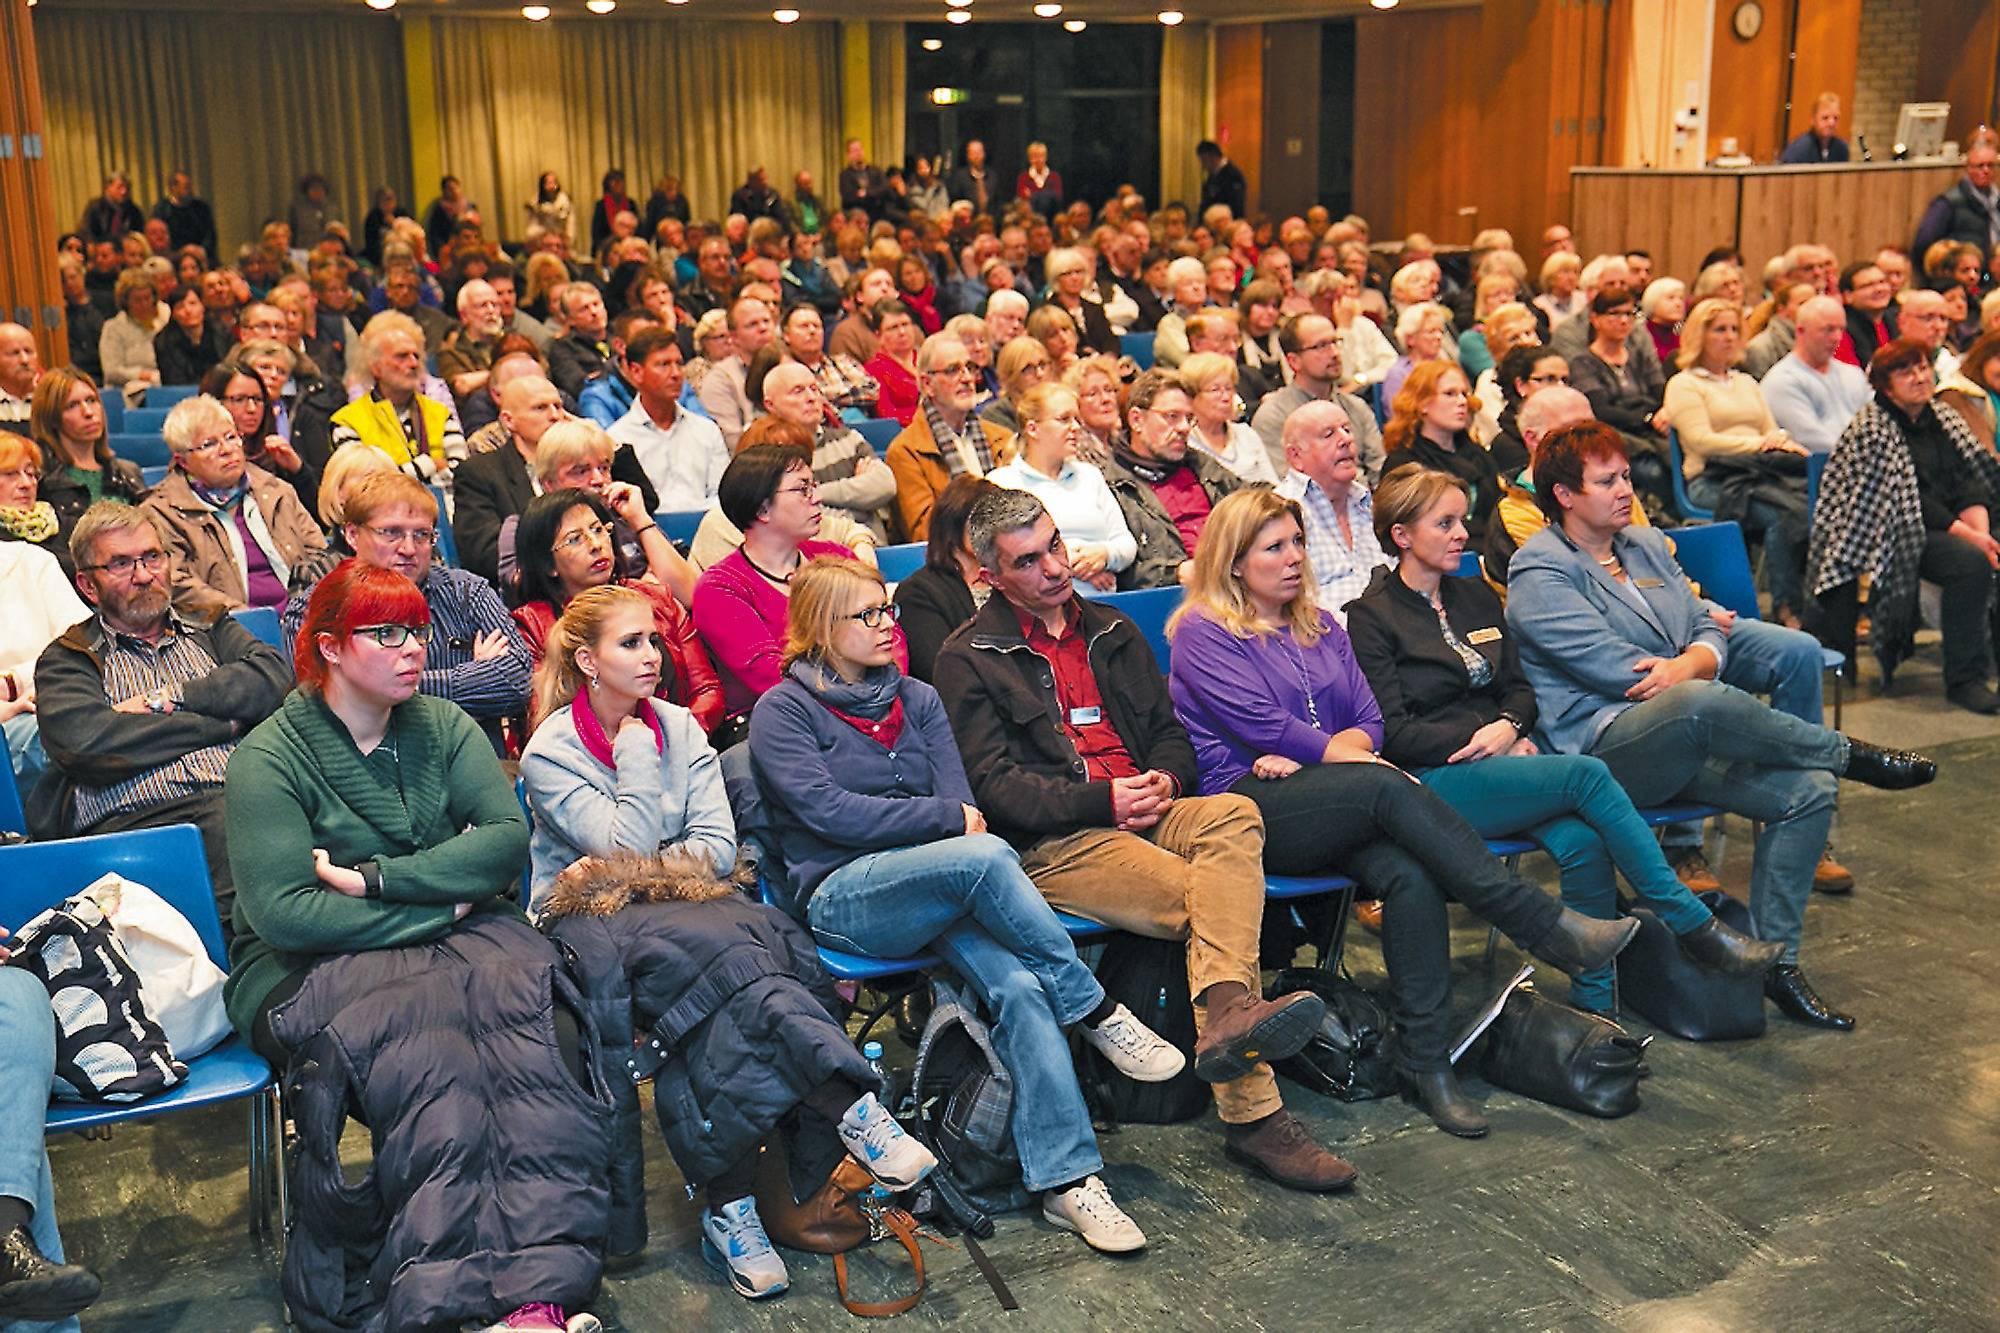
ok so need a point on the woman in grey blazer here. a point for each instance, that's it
(1624, 658)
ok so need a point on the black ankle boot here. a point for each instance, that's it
(1787, 987)
(1437, 1091)
(1719, 948)
(1578, 944)
(35, 1287)
(1891, 770)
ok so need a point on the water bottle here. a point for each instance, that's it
(872, 1053)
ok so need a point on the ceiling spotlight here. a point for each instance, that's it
(958, 4)
(372, 4)
(677, 2)
(1171, 17)
(1074, 25)
(932, 44)
(958, 16)
(1383, 4)
(1047, 11)
(785, 15)
(534, 13)
(600, 6)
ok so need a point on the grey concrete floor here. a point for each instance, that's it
(1799, 1181)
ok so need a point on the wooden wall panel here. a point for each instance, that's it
(1290, 179)
(1672, 215)
(1746, 87)
(1958, 61)
(1855, 211)
(1825, 62)
(1239, 99)
(30, 292)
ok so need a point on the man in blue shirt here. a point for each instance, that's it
(1818, 143)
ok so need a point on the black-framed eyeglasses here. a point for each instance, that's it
(394, 636)
(809, 491)
(121, 566)
(1618, 314)
(874, 617)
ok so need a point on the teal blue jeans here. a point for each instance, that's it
(1572, 806)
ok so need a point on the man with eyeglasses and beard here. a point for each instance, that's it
(476, 658)
(139, 706)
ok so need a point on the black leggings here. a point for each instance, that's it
(829, 1100)
(1414, 852)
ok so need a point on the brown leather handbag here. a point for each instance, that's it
(833, 1221)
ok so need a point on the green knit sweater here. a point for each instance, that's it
(430, 806)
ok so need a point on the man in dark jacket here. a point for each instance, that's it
(1164, 489)
(139, 708)
(494, 485)
(112, 214)
(1970, 210)
(1222, 180)
(1075, 757)
(755, 198)
(585, 354)
(189, 219)
(1872, 318)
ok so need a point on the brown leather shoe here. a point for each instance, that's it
(1368, 911)
(1692, 869)
(1243, 1031)
(1279, 1147)
(1830, 876)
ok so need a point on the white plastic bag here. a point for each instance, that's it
(179, 985)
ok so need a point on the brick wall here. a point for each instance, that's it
(1886, 74)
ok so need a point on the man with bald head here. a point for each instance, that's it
(944, 439)
(20, 368)
(1324, 476)
(849, 475)
(1813, 394)
(1311, 347)
(1922, 316)
(498, 480)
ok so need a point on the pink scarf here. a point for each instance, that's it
(591, 732)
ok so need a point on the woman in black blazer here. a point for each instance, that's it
(937, 599)
(1457, 711)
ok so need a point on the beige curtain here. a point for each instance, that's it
(246, 102)
(1184, 110)
(888, 72)
(703, 101)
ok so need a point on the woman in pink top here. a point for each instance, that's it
(741, 601)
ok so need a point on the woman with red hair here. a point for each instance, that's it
(381, 956)
(1428, 425)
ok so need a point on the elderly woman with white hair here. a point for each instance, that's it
(1187, 283)
(1421, 329)
(1664, 304)
(1069, 276)
(236, 532)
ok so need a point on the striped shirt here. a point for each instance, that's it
(1342, 571)
(134, 668)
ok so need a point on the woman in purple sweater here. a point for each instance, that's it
(1269, 690)
(887, 855)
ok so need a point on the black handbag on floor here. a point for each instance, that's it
(1675, 994)
(1546, 1050)
(1149, 977)
(1352, 1056)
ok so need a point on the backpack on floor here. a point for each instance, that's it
(1149, 977)
(964, 1114)
(1352, 1056)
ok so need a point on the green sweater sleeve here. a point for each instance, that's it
(278, 897)
(483, 858)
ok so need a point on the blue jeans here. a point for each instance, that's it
(27, 1065)
(1782, 664)
(24, 751)
(1710, 742)
(1571, 805)
(968, 899)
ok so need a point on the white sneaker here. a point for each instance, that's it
(733, 1240)
(1134, 1049)
(1087, 1210)
(873, 1138)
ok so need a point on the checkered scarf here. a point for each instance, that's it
(1869, 519)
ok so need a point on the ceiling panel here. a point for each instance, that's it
(1012, 11)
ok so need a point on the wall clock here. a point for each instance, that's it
(1748, 20)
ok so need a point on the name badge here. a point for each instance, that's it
(1649, 583)
(1487, 635)
(1085, 717)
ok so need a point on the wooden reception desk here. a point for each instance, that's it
(1678, 216)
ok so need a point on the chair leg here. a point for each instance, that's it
(260, 1215)
(279, 1134)
(1839, 676)
(1336, 944)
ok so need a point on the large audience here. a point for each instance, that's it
(1307, 434)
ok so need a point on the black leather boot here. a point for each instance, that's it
(1437, 1091)
(1720, 948)
(1787, 987)
(1891, 770)
(34, 1287)
(1577, 943)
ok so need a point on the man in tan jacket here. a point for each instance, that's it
(944, 439)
